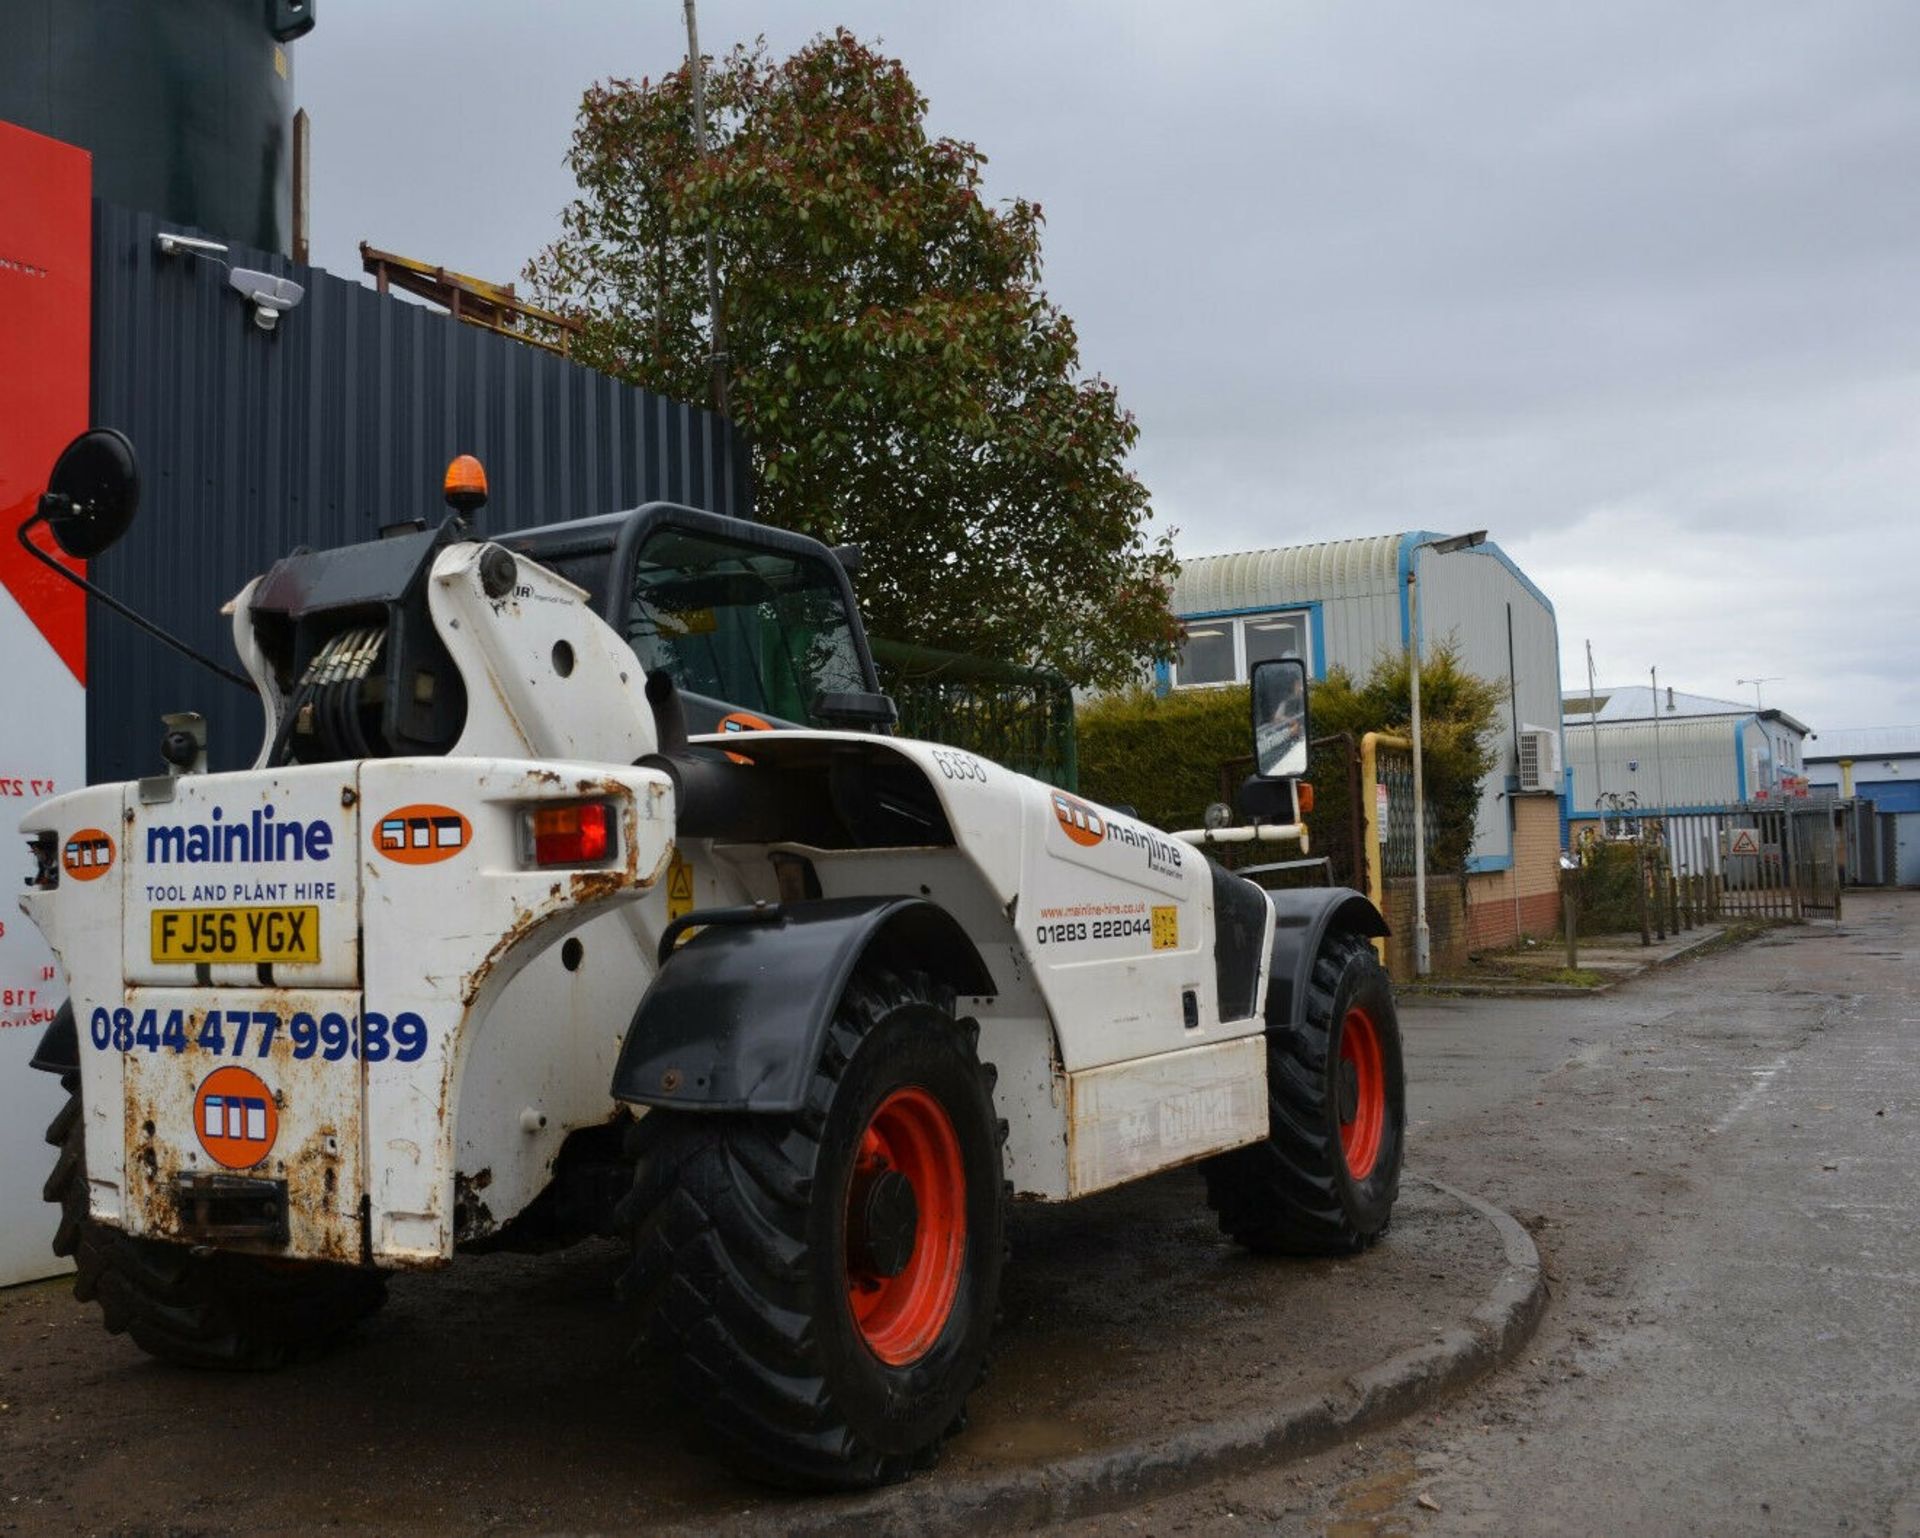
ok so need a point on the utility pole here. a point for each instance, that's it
(302, 195)
(1593, 715)
(717, 358)
(1659, 762)
(1422, 934)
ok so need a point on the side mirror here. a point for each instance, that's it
(857, 710)
(1280, 718)
(92, 494)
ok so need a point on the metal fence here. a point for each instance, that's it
(338, 420)
(1021, 717)
(1393, 785)
(1759, 859)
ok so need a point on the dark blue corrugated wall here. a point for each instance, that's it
(339, 421)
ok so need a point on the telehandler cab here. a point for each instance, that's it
(579, 887)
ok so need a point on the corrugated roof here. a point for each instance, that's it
(1247, 579)
(1863, 742)
(1635, 702)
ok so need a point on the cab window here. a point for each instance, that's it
(761, 630)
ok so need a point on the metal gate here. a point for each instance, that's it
(1755, 859)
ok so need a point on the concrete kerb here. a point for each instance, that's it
(1660, 955)
(1115, 1477)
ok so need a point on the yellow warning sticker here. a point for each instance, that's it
(1166, 929)
(687, 621)
(679, 887)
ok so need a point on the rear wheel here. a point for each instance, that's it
(218, 1310)
(1325, 1179)
(825, 1283)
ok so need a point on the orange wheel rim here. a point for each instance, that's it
(1362, 1093)
(906, 1226)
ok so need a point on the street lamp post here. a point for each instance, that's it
(1422, 936)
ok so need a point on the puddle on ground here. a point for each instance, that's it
(1371, 1507)
(1022, 1439)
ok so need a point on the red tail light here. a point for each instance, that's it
(578, 834)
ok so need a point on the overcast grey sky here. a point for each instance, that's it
(1632, 285)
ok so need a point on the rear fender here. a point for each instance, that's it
(1301, 919)
(737, 1016)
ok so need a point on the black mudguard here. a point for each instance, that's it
(737, 1016)
(59, 1049)
(1301, 918)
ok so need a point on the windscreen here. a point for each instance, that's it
(763, 630)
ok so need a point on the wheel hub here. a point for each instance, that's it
(906, 1226)
(1360, 1093)
(885, 1221)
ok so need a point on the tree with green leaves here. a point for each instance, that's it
(904, 381)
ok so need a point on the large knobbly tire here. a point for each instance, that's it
(1324, 1181)
(825, 1324)
(219, 1310)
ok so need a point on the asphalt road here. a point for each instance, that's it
(1721, 1165)
(1719, 1161)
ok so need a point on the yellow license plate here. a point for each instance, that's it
(236, 934)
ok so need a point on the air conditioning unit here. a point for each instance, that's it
(1539, 758)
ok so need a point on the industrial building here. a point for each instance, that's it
(1676, 751)
(1880, 764)
(1346, 604)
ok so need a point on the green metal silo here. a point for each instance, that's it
(185, 105)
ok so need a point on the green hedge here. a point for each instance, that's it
(1162, 754)
(1607, 888)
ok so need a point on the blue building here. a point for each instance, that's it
(1346, 604)
(1880, 764)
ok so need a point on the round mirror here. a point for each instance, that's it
(93, 493)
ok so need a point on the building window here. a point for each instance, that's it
(1272, 635)
(1206, 654)
(1223, 651)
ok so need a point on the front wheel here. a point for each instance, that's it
(1325, 1179)
(825, 1283)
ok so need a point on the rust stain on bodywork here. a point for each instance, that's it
(574, 889)
(310, 1173)
(472, 1218)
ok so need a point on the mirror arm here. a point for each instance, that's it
(117, 606)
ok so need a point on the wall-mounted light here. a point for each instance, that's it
(187, 245)
(271, 296)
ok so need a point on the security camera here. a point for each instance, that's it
(171, 244)
(270, 296)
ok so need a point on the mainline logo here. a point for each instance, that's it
(1078, 821)
(88, 854)
(255, 839)
(422, 834)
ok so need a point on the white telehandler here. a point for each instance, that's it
(579, 888)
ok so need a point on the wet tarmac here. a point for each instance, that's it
(1720, 1163)
(500, 1395)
